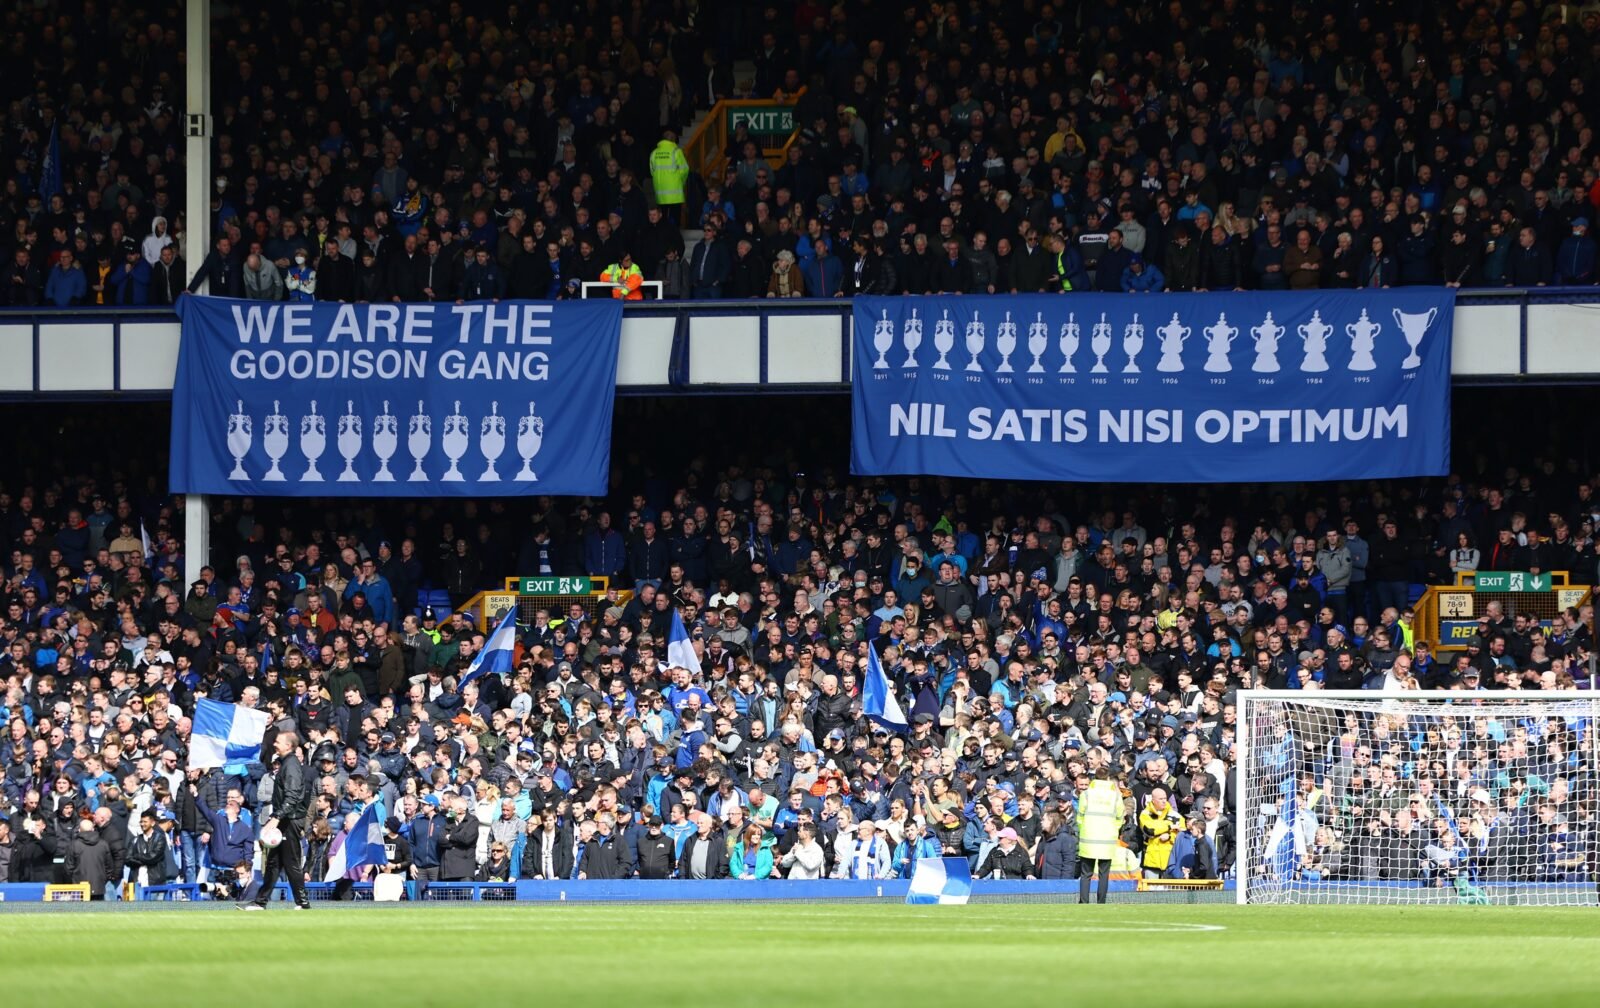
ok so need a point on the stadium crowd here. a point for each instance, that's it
(1031, 642)
(483, 151)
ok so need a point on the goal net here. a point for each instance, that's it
(1349, 797)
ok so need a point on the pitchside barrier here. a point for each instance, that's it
(675, 891)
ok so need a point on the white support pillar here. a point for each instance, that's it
(197, 217)
(197, 133)
(196, 536)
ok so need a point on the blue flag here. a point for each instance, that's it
(499, 651)
(50, 170)
(357, 847)
(225, 735)
(680, 649)
(878, 701)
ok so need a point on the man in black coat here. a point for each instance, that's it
(291, 796)
(602, 856)
(147, 850)
(547, 854)
(225, 272)
(458, 859)
(705, 855)
(657, 852)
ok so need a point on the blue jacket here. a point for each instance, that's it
(823, 276)
(1152, 279)
(1575, 261)
(130, 287)
(605, 554)
(231, 842)
(1185, 854)
(66, 287)
(380, 597)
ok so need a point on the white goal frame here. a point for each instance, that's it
(1244, 821)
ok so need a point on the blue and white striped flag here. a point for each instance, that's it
(225, 734)
(940, 880)
(357, 847)
(499, 652)
(878, 701)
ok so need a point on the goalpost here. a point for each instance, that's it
(1355, 796)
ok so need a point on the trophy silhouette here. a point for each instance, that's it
(454, 441)
(911, 336)
(1314, 336)
(1100, 343)
(349, 441)
(530, 435)
(239, 438)
(1038, 341)
(1172, 336)
(944, 340)
(1363, 333)
(1132, 343)
(419, 438)
(313, 440)
(492, 441)
(1266, 336)
(882, 340)
(1414, 326)
(1070, 331)
(275, 439)
(975, 341)
(1219, 339)
(1005, 340)
(385, 439)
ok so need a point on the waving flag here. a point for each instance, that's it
(499, 651)
(356, 847)
(225, 734)
(680, 649)
(1292, 835)
(940, 880)
(878, 701)
(50, 169)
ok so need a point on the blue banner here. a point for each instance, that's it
(1192, 388)
(394, 400)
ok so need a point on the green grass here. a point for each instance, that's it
(859, 955)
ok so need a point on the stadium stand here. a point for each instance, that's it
(977, 147)
(1031, 638)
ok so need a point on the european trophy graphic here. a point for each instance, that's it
(1038, 342)
(1413, 327)
(975, 340)
(1132, 343)
(1363, 333)
(419, 439)
(1100, 343)
(492, 441)
(313, 441)
(944, 340)
(454, 439)
(1314, 336)
(1005, 340)
(239, 438)
(349, 441)
(882, 340)
(385, 439)
(1070, 333)
(1267, 335)
(530, 435)
(1172, 336)
(275, 440)
(911, 336)
(1219, 340)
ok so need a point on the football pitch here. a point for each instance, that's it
(749, 954)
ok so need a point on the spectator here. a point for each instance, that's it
(67, 285)
(1303, 263)
(1574, 265)
(1378, 268)
(1140, 277)
(786, 280)
(262, 282)
(823, 273)
(1529, 264)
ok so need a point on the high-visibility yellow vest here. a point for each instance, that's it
(628, 280)
(1100, 814)
(669, 172)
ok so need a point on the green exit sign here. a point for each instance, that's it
(1512, 581)
(554, 585)
(762, 121)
